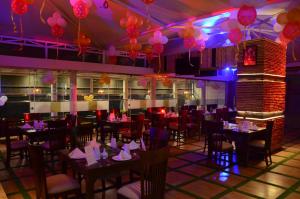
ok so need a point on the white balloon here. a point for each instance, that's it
(164, 40)
(277, 27)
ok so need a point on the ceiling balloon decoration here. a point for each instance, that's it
(19, 7)
(57, 24)
(288, 26)
(247, 15)
(3, 100)
(235, 34)
(148, 50)
(148, 2)
(158, 40)
(83, 43)
(81, 8)
(132, 24)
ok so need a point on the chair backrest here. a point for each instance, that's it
(137, 124)
(71, 120)
(57, 138)
(158, 120)
(214, 132)
(37, 165)
(153, 173)
(84, 134)
(159, 138)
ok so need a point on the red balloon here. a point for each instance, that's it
(158, 48)
(57, 31)
(19, 7)
(189, 42)
(235, 35)
(80, 9)
(291, 30)
(132, 32)
(246, 15)
(133, 54)
(283, 40)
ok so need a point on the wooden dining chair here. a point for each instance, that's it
(135, 131)
(53, 124)
(15, 144)
(55, 141)
(152, 182)
(54, 186)
(159, 138)
(218, 143)
(194, 125)
(84, 134)
(179, 128)
(262, 143)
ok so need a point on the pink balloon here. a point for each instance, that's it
(247, 15)
(235, 35)
(189, 42)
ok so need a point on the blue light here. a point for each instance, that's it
(234, 69)
(227, 68)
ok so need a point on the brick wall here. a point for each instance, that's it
(264, 92)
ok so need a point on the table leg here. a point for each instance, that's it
(90, 181)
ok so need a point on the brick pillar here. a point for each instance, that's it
(261, 89)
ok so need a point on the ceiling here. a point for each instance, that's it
(102, 25)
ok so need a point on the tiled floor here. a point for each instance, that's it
(192, 175)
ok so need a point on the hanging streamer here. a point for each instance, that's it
(13, 22)
(41, 11)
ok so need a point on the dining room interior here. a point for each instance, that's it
(149, 99)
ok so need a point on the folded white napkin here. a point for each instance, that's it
(113, 143)
(104, 154)
(123, 155)
(94, 143)
(26, 126)
(143, 145)
(126, 148)
(77, 154)
(133, 145)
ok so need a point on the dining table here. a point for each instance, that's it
(241, 139)
(103, 169)
(114, 126)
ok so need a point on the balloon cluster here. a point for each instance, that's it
(83, 42)
(132, 24)
(232, 26)
(49, 78)
(133, 48)
(81, 8)
(288, 23)
(157, 41)
(148, 50)
(104, 79)
(3, 100)
(57, 24)
(193, 38)
(20, 7)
